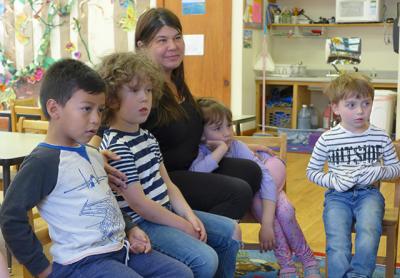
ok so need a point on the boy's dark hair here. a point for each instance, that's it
(214, 112)
(118, 69)
(349, 85)
(64, 78)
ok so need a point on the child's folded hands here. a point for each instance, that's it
(139, 241)
(197, 226)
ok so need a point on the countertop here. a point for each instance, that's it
(386, 77)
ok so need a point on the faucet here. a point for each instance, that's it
(336, 68)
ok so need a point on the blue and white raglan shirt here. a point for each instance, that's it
(354, 160)
(70, 189)
(140, 162)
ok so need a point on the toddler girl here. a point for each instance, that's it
(279, 228)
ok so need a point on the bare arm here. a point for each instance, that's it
(260, 148)
(181, 206)
(266, 235)
(152, 211)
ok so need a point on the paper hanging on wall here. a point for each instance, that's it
(193, 7)
(194, 45)
(340, 50)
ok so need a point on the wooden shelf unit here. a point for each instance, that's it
(374, 24)
(301, 95)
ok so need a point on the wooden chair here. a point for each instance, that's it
(275, 142)
(26, 111)
(390, 227)
(35, 126)
(24, 102)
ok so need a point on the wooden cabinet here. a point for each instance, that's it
(300, 95)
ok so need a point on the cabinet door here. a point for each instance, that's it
(208, 75)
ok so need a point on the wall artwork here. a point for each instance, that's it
(36, 33)
(253, 14)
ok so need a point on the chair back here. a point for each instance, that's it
(33, 126)
(278, 143)
(26, 111)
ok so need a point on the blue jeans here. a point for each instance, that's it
(111, 265)
(364, 207)
(217, 258)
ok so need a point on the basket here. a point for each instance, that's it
(279, 116)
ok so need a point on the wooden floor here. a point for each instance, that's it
(306, 197)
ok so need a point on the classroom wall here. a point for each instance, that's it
(21, 33)
(376, 54)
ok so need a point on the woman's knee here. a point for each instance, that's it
(244, 169)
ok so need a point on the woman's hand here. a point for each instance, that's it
(116, 179)
(139, 241)
(198, 226)
(261, 148)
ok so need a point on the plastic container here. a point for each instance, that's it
(314, 117)
(304, 118)
(383, 110)
(327, 117)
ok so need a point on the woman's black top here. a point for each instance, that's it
(179, 140)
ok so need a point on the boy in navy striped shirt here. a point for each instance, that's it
(205, 242)
(358, 155)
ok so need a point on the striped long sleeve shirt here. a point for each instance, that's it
(354, 160)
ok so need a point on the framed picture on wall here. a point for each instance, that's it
(253, 14)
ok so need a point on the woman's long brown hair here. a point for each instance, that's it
(147, 27)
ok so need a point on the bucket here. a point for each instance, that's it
(383, 110)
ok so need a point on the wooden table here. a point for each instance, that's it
(239, 119)
(14, 147)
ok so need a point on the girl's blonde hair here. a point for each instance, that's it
(214, 112)
(349, 85)
(118, 69)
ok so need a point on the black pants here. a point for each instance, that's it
(227, 191)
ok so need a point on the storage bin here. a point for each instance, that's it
(305, 137)
(383, 110)
(279, 116)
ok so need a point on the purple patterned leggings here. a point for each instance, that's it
(289, 238)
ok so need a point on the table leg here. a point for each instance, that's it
(6, 183)
(238, 132)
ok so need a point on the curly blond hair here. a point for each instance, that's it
(118, 69)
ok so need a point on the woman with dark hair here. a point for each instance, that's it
(177, 124)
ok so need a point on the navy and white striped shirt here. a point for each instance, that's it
(140, 162)
(353, 159)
